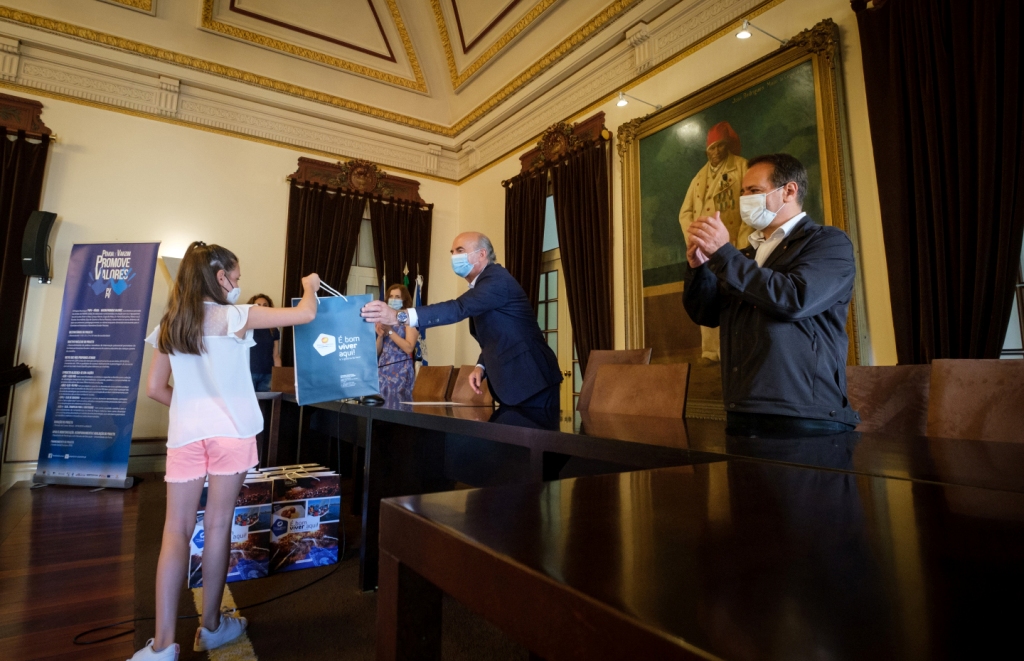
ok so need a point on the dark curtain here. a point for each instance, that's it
(943, 83)
(525, 197)
(401, 237)
(323, 234)
(22, 164)
(583, 218)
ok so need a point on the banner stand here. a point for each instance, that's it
(94, 387)
(63, 480)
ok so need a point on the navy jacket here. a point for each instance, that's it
(517, 360)
(783, 325)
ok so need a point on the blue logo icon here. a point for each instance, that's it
(280, 527)
(199, 538)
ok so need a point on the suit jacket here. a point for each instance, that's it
(517, 360)
(783, 325)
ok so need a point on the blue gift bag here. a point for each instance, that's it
(336, 353)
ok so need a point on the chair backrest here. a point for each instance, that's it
(600, 357)
(654, 390)
(890, 398)
(463, 393)
(451, 384)
(977, 399)
(431, 383)
(282, 379)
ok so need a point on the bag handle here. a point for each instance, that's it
(330, 290)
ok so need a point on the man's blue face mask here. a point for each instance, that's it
(461, 265)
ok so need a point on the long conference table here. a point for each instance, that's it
(617, 536)
(414, 450)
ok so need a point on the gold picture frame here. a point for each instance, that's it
(813, 52)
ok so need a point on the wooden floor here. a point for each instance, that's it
(66, 566)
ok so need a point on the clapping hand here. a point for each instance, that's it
(707, 234)
(381, 330)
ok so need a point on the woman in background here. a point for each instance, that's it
(266, 355)
(395, 347)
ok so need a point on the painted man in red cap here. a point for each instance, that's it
(717, 188)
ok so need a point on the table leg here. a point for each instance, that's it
(545, 466)
(408, 614)
(274, 432)
(399, 461)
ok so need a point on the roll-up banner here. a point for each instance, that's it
(95, 382)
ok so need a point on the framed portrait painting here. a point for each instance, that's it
(688, 160)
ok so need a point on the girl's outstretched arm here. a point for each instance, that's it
(157, 385)
(303, 313)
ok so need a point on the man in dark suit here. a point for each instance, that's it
(781, 304)
(519, 366)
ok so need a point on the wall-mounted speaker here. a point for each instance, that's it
(35, 249)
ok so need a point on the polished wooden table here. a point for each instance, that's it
(425, 449)
(416, 450)
(738, 559)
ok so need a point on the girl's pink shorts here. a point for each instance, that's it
(218, 455)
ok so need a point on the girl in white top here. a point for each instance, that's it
(203, 341)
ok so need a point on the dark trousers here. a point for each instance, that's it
(781, 426)
(549, 398)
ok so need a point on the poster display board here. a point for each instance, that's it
(94, 386)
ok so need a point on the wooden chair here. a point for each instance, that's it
(977, 399)
(890, 398)
(431, 383)
(463, 393)
(653, 390)
(451, 384)
(600, 357)
(282, 379)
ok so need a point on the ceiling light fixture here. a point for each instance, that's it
(623, 102)
(744, 32)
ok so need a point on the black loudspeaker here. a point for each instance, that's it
(35, 249)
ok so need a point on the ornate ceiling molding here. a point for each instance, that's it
(487, 28)
(592, 27)
(458, 78)
(198, 64)
(144, 6)
(417, 83)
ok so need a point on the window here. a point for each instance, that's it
(1013, 345)
(553, 313)
(362, 278)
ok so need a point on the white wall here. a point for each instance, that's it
(483, 197)
(118, 178)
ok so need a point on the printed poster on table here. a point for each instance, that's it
(98, 362)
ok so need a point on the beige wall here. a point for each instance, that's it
(484, 196)
(117, 178)
(114, 177)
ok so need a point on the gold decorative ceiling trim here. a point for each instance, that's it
(442, 26)
(140, 5)
(127, 45)
(202, 127)
(592, 27)
(417, 83)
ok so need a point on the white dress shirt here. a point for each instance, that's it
(765, 246)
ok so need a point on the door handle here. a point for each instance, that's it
(567, 373)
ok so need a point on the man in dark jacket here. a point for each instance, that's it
(781, 304)
(519, 366)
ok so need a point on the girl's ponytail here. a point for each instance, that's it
(181, 329)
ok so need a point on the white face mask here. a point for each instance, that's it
(395, 304)
(232, 296)
(754, 209)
